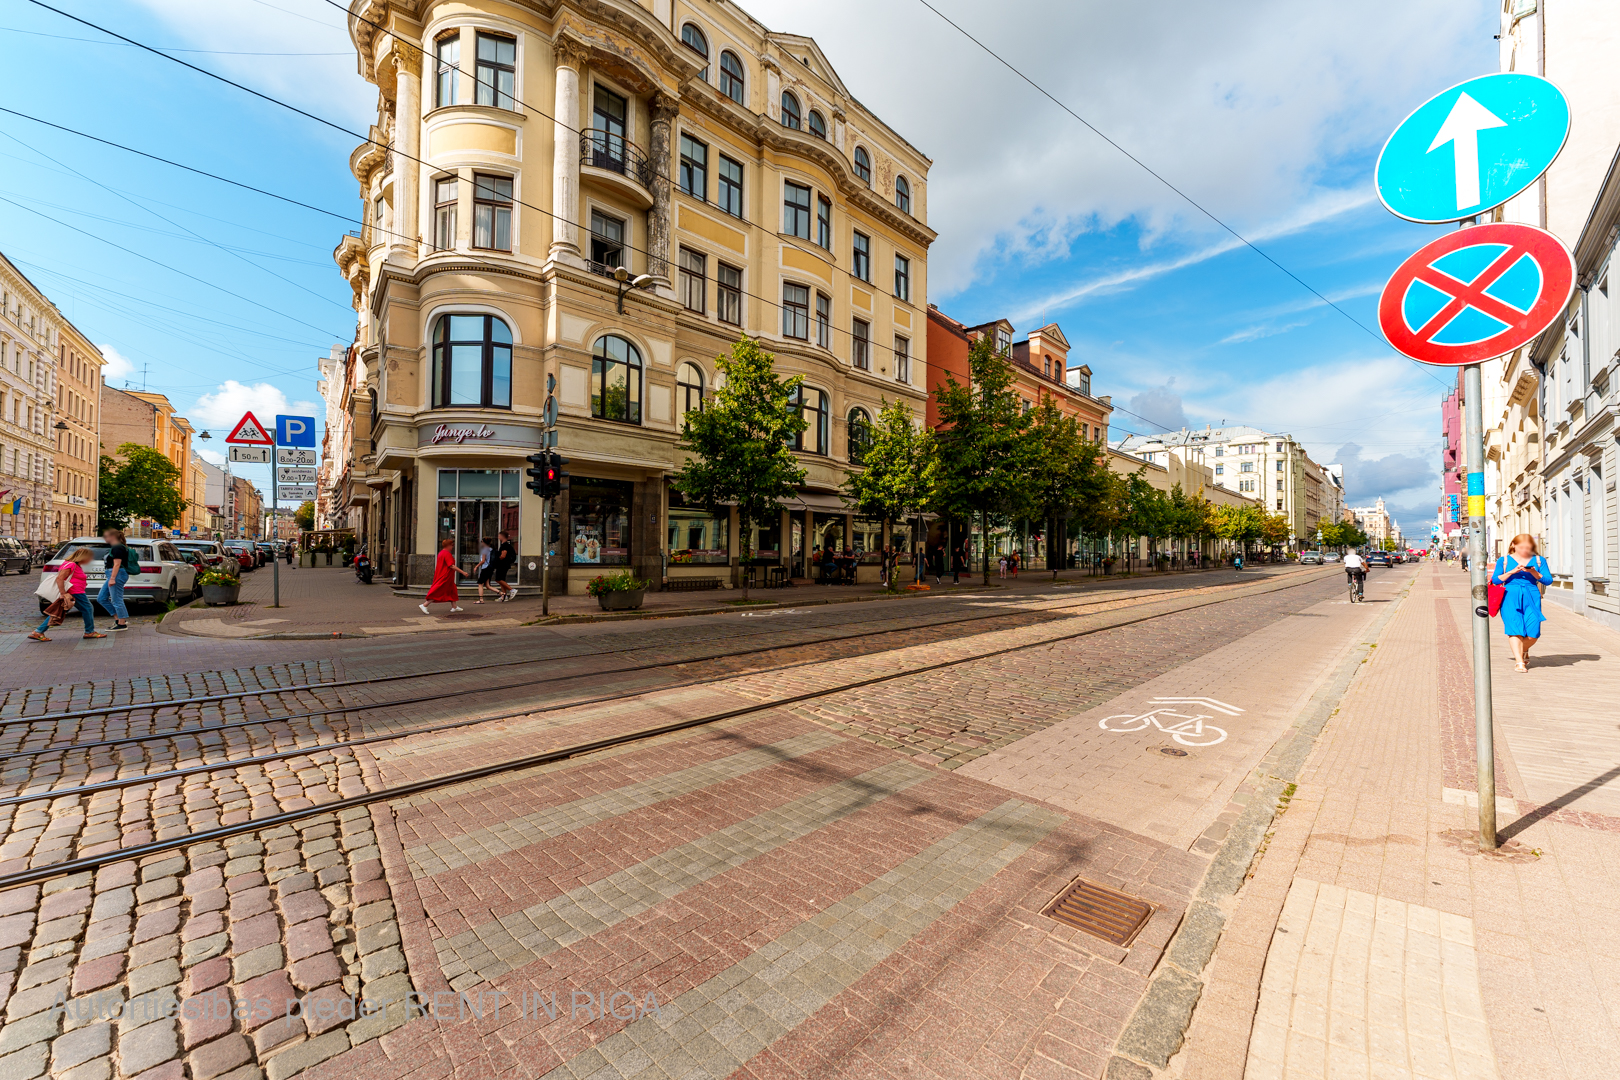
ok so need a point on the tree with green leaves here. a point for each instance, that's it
(983, 447)
(741, 442)
(1274, 530)
(304, 516)
(139, 483)
(1063, 476)
(896, 475)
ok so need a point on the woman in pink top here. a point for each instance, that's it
(70, 582)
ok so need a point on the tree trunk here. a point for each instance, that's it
(743, 525)
(984, 536)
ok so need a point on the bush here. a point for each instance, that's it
(623, 581)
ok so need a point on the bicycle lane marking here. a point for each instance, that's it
(1188, 729)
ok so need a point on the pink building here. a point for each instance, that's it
(1453, 507)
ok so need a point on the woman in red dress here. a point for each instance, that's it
(445, 572)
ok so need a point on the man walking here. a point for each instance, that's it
(505, 559)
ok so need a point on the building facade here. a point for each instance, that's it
(1269, 468)
(338, 505)
(78, 443)
(148, 419)
(31, 335)
(524, 160)
(1375, 521)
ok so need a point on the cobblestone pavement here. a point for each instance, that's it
(788, 893)
(1374, 938)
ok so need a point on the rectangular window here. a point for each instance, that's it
(730, 187)
(496, 71)
(694, 168)
(795, 209)
(1003, 336)
(861, 266)
(860, 351)
(492, 212)
(795, 311)
(607, 241)
(824, 222)
(728, 295)
(447, 53)
(444, 213)
(1245, 485)
(1220, 470)
(1279, 466)
(1279, 504)
(1220, 451)
(902, 277)
(599, 521)
(902, 359)
(1279, 448)
(694, 280)
(824, 320)
(1247, 466)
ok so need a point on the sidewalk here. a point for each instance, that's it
(330, 602)
(1374, 939)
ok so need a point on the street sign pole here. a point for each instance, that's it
(545, 557)
(275, 563)
(1478, 576)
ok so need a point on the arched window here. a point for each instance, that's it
(813, 406)
(693, 39)
(902, 194)
(818, 126)
(860, 435)
(472, 362)
(790, 111)
(688, 389)
(616, 380)
(863, 165)
(731, 76)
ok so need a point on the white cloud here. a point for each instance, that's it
(1246, 107)
(226, 405)
(213, 457)
(117, 368)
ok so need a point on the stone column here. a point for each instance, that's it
(407, 129)
(664, 111)
(565, 156)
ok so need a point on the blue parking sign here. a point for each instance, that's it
(295, 431)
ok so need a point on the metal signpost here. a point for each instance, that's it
(1476, 294)
(297, 432)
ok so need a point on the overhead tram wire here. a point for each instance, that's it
(872, 344)
(1194, 203)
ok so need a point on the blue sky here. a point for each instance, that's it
(1268, 113)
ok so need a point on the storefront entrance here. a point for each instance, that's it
(475, 504)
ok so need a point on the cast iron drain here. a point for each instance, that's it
(1101, 912)
(1172, 751)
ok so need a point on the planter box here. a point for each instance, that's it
(220, 595)
(621, 601)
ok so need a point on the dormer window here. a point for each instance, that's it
(791, 117)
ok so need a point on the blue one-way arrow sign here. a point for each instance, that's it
(1473, 147)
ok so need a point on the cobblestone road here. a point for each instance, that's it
(766, 896)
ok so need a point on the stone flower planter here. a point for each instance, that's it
(621, 601)
(220, 595)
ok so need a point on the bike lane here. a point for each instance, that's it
(1165, 758)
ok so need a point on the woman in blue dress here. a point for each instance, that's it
(1522, 572)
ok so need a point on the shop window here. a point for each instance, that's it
(697, 536)
(472, 362)
(765, 542)
(616, 380)
(866, 538)
(475, 504)
(599, 522)
(828, 534)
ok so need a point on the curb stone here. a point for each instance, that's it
(1157, 1028)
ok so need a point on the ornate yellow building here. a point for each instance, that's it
(523, 154)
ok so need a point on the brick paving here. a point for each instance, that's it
(1374, 816)
(801, 895)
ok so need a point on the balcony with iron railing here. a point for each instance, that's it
(617, 163)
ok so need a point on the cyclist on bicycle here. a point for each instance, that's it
(1355, 569)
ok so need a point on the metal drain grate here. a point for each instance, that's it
(1101, 912)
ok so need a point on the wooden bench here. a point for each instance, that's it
(692, 584)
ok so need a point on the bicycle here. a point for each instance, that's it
(1358, 588)
(1200, 733)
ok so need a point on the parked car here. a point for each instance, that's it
(158, 573)
(1310, 558)
(266, 551)
(246, 557)
(212, 552)
(1378, 558)
(14, 555)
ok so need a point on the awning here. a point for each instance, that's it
(811, 500)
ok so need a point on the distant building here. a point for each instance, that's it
(279, 525)
(148, 419)
(1375, 522)
(1453, 467)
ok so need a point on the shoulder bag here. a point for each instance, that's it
(1494, 593)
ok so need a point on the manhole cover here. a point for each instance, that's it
(1172, 751)
(1102, 912)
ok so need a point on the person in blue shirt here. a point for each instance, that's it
(1522, 572)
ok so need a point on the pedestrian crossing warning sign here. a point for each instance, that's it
(249, 430)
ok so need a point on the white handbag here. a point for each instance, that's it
(48, 591)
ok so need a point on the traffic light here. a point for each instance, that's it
(554, 474)
(537, 473)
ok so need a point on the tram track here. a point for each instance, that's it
(339, 710)
(407, 790)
